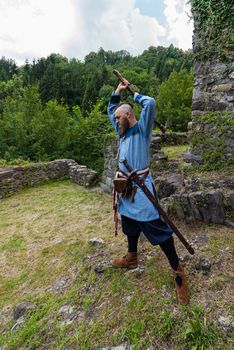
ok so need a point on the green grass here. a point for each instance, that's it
(175, 152)
(15, 243)
(46, 239)
(8, 163)
(199, 333)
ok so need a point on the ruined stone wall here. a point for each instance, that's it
(213, 86)
(213, 94)
(17, 177)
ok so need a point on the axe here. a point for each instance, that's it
(131, 90)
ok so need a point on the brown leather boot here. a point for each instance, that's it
(128, 261)
(181, 285)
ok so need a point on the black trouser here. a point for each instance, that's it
(167, 247)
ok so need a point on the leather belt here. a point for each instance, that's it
(138, 172)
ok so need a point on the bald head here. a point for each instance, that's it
(124, 117)
(124, 109)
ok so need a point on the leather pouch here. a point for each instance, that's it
(123, 186)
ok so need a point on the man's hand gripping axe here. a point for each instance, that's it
(131, 90)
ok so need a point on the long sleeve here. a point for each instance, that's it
(114, 101)
(148, 114)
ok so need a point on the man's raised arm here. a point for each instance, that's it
(114, 101)
(148, 113)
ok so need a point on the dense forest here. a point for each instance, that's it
(56, 108)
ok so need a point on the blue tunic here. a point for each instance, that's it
(134, 147)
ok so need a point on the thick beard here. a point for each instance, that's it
(123, 128)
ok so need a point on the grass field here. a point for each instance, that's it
(79, 301)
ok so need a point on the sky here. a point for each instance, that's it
(36, 28)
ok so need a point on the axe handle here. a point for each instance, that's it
(121, 78)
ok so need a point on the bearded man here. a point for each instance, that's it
(137, 213)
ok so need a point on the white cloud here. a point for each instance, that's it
(73, 28)
(113, 25)
(31, 28)
(179, 27)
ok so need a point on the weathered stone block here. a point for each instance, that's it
(212, 210)
(231, 75)
(229, 98)
(180, 206)
(198, 67)
(158, 156)
(194, 199)
(23, 308)
(198, 105)
(207, 206)
(222, 88)
(193, 158)
(170, 185)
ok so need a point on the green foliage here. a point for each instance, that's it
(10, 88)
(214, 25)
(18, 161)
(161, 62)
(104, 95)
(88, 136)
(78, 83)
(53, 107)
(199, 333)
(29, 130)
(7, 68)
(16, 134)
(212, 148)
(175, 152)
(174, 100)
(51, 131)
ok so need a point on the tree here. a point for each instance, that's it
(8, 68)
(174, 100)
(50, 130)
(16, 134)
(30, 131)
(95, 78)
(87, 137)
(10, 88)
(38, 120)
(104, 95)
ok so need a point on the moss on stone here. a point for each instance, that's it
(213, 29)
(209, 137)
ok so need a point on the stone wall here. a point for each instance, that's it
(213, 92)
(209, 206)
(211, 139)
(213, 86)
(17, 177)
(195, 197)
